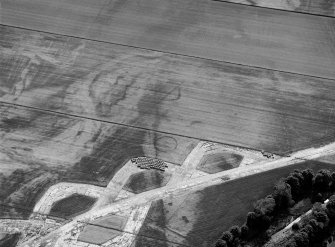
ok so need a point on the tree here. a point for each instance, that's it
(235, 243)
(282, 195)
(322, 180)
(313, 223)
(331, 207)
(251, 220)
(318, 198)
(295, 227)
(244, 232)
(291, 243)
(235, 231)
(309, 230)
(266, 206)
(308, 175)
(264, 221)
(227, 236)
(301, 239)
(319, 213)
(298, 174)
(293, 181)
(221, 243)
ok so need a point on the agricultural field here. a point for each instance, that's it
(222, 31)
(156, 123)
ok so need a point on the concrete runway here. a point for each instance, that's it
(223, 31)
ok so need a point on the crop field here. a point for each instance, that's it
(209, 29)
(71, 122)
(199, 218)
(229, 96)
(139, 90)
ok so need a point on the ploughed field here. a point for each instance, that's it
(78, 110)
(223, 31)
(210, 100)
(85, 88)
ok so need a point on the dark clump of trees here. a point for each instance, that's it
(298, 185)
(318, 227)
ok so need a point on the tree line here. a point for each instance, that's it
(288, 191)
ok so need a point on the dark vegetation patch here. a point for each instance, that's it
(217, 207)
(14, 212)
(217, 162)
(110, 155)
(72, 206)
(22, 199)
(9, 240)
(146, 180)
